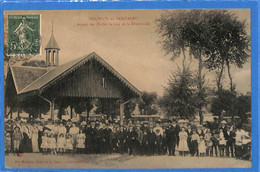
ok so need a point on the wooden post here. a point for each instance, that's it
(121, 113)
(52, 109)
(71, 113)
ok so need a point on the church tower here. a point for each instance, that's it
(52, 52)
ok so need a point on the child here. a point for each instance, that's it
(208, 142)
(7, 143)
(17, 137)
(61, 143)
(44, 144)
(194, 143)
(80, 142)
(52, 144)
(202, 146)
(69, 143)
(222, 142)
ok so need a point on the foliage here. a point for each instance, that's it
(243, 106)
(222, 102)
(34, 63)
(34, 106)
(216, 38)
(186, 30)
(229, 43)
(180, 97)
(232, 103)
(147, 102)
(129, 108)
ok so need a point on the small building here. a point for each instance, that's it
(57, 86)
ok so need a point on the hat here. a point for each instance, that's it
(223, 122)
(83, 123)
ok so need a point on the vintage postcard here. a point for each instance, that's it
(123, 89)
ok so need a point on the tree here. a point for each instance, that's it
(186, 30)
(34, 106)
(243, 106)
(147, 101)
(228, 45)
(216, 38)
(35, 63)
(179, 97)
(222, 102)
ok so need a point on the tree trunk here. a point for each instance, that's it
(232, 91)
(184, 58)
(200, 89)
(220, 76)
(230, 77)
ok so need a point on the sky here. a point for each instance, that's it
(127, 40)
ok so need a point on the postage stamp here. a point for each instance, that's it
(24, 34)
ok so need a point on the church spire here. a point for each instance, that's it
(52, 51)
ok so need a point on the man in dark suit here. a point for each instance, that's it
(151, 141)
(171, 139)
(90, 137)
(145, 145)
(132, 135)
(122, 138)
(189, 132)
(107, 139)
(229, 137)
(99, 146)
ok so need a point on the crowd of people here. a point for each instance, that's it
(134, 138)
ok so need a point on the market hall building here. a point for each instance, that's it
(78, 81)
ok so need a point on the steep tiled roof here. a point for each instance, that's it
(24, 75)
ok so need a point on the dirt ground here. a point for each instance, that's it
(115, 161)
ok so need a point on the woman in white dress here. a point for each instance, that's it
(183, 144)
(35, 145)
(74, 130)
(80, 142)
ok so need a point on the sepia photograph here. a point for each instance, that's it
(127, 89)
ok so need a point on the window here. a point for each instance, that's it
(103, 82)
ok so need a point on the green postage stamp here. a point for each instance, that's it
(24, 34)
